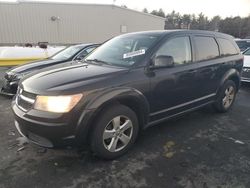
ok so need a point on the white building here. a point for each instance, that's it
(67, 23)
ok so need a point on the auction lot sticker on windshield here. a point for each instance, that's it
(135, 53)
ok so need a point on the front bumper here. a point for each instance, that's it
(53, 130)
(44, 129)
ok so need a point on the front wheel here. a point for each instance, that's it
(115, 132)
(226, 97)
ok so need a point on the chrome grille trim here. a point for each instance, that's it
(25, 110)
(246, 69)
(23, 102)
(31, 101)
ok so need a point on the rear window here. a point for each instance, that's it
(207, 48)
(227, 47)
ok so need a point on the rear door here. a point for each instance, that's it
(228, 56)
(208, 61)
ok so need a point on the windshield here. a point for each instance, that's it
(243, 44)
(67, 53)
(247, 52)
(123, 51)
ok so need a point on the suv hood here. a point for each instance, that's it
(34, 65)
(69, 79)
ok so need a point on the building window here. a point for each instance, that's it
(123, 29)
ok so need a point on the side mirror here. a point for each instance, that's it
(162, 61)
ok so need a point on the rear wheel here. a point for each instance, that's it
(115, 132)
(226, 97)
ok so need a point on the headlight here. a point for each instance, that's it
(58, 104)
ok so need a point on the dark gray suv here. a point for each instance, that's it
(129, 83)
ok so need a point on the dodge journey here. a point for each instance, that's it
(129, 83)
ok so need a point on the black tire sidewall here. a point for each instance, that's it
(104, 117)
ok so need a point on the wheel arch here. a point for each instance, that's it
(129, 97)
(232, 74)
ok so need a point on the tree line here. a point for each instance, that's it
(236, 26)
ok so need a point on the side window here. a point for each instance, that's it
(85, 52)
(90, 49)
(179, 48)
(227, 47)
(207, 48)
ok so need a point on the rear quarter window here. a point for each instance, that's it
(206, 48)
(227, 47)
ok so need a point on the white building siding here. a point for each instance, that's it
(31, 22)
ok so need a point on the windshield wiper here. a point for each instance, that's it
(98, 61)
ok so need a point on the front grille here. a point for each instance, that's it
(24, 104)
(246, 72)
(25, 100)
(29, 95)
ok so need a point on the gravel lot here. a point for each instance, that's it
(199, 150)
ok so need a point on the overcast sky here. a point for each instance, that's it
(210, 8)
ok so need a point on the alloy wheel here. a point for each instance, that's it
(117, 133)
(229, 97)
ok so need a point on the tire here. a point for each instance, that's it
(225, 97)
(115, 131)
